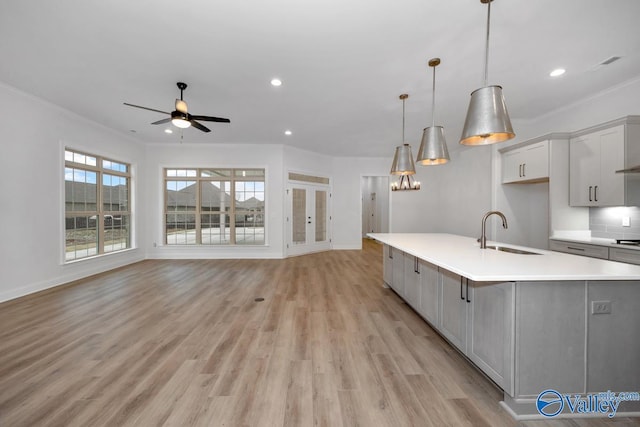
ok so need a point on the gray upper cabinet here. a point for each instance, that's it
(594, 157)
(524, 163)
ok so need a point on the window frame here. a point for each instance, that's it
(232, 178)
(100, 212)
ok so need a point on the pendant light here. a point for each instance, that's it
(403, 162)
(433, 148)
(487, 119)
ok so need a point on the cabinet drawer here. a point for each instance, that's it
(593, 251)
(630, 256)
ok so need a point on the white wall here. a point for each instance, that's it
(347, 197)
(31, 189)
(269, 157)
(452, 199)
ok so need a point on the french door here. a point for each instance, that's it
(308, 219)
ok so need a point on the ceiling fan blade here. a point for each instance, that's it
(145, 108)
(199, 126)
(210, 119)
(159, 122)
(181, 106)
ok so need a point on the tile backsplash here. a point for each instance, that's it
(607, 222)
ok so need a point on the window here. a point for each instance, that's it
(214, 206)
(97, 205)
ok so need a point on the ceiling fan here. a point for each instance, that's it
(180, 116)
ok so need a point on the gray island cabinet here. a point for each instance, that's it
(530, 322)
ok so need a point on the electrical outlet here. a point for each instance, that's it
(626, 221)
(600, 307)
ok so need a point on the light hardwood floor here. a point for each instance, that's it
(184, 343)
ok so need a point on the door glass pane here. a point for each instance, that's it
(321, 216)
(299, 214)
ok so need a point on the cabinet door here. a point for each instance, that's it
(387, 265)
(453, 309)
(609, 190)
(411, 281)
(535, 161)
(511, 166)
(398, 271)
(593, 162)
(429, 285)
(584, 169)
(490, 330)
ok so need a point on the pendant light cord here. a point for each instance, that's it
(433, 100)
(486, 52)
(403, 120)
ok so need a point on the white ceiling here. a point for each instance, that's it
(343, 63)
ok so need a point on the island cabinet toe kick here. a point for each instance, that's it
(538, 331)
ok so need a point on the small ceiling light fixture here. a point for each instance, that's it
(487, 119)
(433, 148)
(557, 72)
(287, 132)
(403, 162)
(180, 120)
(276, 82)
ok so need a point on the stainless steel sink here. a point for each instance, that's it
(511, 250)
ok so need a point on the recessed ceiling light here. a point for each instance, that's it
(287, 132)
(557, 72)
(276, 82)
(168, 131)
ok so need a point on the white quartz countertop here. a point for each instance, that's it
(463, 256)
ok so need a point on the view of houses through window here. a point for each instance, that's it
(97, 205)
(214, 206)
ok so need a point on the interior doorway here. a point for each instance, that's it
(374, 192)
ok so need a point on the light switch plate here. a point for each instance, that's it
(600, 307)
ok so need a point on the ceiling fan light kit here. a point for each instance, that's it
(180, 117)
(487, 120)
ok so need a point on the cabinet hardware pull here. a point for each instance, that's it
(590, 187)
(575, 249)
(390, 253)
(461, 297)
(524, 169)
(595, 193)
(468, 300)
(416, 266)
(520, 171)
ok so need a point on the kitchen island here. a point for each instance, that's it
(531, 322)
